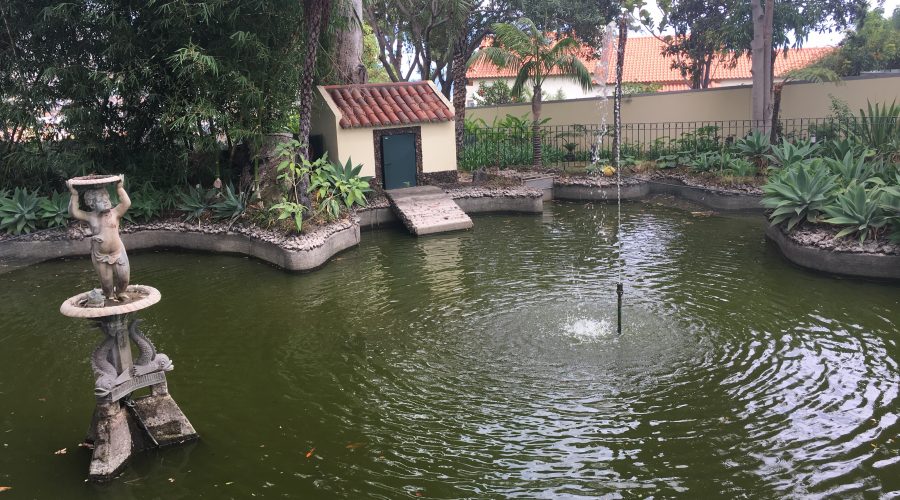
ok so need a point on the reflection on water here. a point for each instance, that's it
(482, 364)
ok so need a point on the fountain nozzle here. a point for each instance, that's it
(619, 291)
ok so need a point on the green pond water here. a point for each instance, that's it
(481, 364)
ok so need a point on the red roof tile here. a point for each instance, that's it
(645, 63)
(387, 104)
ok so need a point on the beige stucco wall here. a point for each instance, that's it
(324, 121)
(799, 100)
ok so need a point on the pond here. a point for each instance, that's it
(481, 364)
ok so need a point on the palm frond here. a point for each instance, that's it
(570, 65)
(526, 71)
(512, 38)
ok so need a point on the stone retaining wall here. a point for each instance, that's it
(843, 263)
(16, 254)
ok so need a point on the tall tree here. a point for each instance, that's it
(761, 62)
(713, 33)
(528, 51)
(348, 50)
(873, 45)
(315, 18)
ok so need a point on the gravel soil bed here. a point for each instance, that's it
(312, 237)
(736, 185)
(821, 236)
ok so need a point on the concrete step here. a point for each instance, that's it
(427, 210)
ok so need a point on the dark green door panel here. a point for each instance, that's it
(398, 153)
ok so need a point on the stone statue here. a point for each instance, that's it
(107, 251)
(124, 423)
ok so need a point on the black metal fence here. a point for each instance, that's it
(573, 146)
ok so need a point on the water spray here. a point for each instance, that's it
(617, 147)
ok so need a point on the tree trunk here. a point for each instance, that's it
(536, 145)
(315, 14)
(761, 63)
(349, 43)
(617, 96)
(776, 109)
(459, 90)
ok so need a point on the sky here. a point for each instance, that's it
(814, 40)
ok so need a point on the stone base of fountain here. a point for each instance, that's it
(122, 426)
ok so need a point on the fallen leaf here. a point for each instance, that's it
(310, 453)
(60, 452)
(5, 488)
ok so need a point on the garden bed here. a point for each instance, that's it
(293, 252)
(816, 248)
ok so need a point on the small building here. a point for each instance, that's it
(402, 133)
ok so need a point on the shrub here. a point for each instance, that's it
(147, 203)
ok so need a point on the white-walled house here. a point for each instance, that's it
(644, 63)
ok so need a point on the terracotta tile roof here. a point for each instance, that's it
(387, 104)
(486, 69)
(645, 63)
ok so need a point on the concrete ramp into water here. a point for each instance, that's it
(427, 210)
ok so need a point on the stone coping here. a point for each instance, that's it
(303, 253)
(856, 264)
(604, 189)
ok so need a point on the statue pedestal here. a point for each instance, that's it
(122, 426)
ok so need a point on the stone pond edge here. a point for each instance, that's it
(15, 254)
(860, 265)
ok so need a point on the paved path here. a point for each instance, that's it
(427, 210)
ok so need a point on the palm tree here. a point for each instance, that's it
(522, 47)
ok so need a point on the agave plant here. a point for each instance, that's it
(335, 185)
(890, 203)
(739, 167)
(879, 129)
(146, 203)
(838, 148)
(854, 169)
(859, 210)
(231, 206)
(704, 162)
(20, 212)
(798, 193)
(55, 210)
(788, 153)
(193, 202)
(755, 145)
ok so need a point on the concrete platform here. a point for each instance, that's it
(427, 210)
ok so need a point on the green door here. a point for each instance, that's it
(398, 154)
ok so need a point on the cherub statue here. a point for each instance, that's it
(107, 251)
